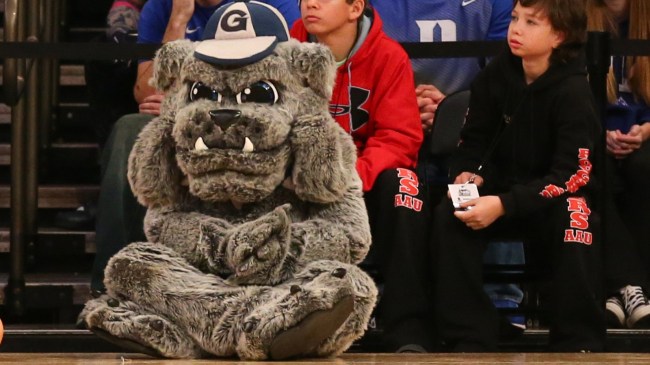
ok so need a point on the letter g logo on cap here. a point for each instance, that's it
(234, 21)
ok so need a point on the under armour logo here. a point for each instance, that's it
(234, 21)
(358, 115)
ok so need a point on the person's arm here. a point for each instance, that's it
(576, 129)
(479, 130)
(181, 13)
(397, 136)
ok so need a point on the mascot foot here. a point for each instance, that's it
(125, 324)
(299, 315)
(124, 343)
(311, 331)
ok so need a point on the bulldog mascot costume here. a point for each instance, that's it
(256, 217)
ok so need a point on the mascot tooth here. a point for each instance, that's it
(237, 263)
(199, 145)
(248, 145)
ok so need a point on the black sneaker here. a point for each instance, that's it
(636, 306)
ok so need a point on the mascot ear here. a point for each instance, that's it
(153, 173)
(168, 62)
(315, 64)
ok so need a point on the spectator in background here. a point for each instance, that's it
(449, 21)
(119, 216)
(627, 121)
(443, 21)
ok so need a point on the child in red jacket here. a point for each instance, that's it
(374, 100)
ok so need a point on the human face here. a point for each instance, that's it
(618, 8)
(530, 34)
(324, 17)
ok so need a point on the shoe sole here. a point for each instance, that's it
(640, 319)
(126, 344)
(311, 331)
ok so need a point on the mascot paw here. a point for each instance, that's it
(305, 336)
(296, 322)
(125, 324)
(256, 250)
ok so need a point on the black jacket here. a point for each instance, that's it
(535, 142)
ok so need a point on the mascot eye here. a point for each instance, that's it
(263, 92)
(199, 91)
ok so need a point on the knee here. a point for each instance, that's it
(398, 180)
(128, 127)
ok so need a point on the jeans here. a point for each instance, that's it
(504, 253)
(119, 215)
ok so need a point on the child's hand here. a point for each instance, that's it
(483, 212)
(464, 178)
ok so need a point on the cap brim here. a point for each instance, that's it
(235, 51)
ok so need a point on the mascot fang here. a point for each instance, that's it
(256, 218)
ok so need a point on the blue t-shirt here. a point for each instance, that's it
(627, 110)
(156, 13)
(445, 21)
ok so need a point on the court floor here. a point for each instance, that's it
(366, 359)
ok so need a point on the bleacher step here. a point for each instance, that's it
(88, 150)
(57, 196)
(73, 285)
(85, 238)
(69, 75)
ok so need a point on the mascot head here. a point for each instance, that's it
(245, 108)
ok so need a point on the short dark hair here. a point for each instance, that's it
(568, 17)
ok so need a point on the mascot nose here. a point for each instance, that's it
(224, 118)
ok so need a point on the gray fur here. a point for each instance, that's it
(232, 234)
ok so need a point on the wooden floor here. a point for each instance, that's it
(531, 358)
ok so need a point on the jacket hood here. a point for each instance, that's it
(366, 38)
(555, 73)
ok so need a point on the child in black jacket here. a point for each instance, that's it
(528, 143)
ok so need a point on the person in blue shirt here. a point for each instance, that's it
(119, 216)
(443, 21)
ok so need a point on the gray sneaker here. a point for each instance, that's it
(637, 307)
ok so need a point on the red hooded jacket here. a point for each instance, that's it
(374, 100)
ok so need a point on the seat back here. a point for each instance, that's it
(447, 123)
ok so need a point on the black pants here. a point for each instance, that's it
(627, 242)
(466, 317)
(399, 222)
